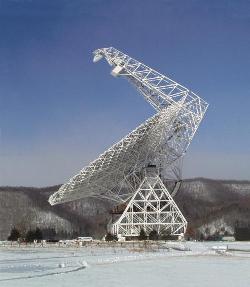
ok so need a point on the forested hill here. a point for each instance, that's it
(209, 206)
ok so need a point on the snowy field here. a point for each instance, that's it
(167, 264)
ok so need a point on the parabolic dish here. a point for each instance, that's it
(148, 144)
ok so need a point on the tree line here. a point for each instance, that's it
(30, 235)
(49, 234)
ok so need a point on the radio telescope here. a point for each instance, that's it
(131, 172)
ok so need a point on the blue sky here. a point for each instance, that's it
(58, 110)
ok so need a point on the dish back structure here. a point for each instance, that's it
(119, 173)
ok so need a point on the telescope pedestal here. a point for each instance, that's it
(150, 208)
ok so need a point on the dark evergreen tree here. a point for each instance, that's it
(38, 234)
(166, 235)
(153, 235)
(242, 233)
(14, 234)
(142, 235)
(30, 236)
(111, 237)
(49, 233)
(202, 237)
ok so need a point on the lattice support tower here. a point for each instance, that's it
(151, 208)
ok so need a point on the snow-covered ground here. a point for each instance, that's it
(168, 264)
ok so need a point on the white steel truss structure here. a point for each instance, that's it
(150, 208)
(161, 140)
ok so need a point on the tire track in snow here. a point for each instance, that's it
(40, 258)
(44, 275)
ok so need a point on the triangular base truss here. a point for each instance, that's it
(150, 208)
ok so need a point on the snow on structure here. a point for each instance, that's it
(162, 140)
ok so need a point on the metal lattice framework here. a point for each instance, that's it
(161, 140)
(150, 208)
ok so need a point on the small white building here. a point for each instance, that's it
(228, 238)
